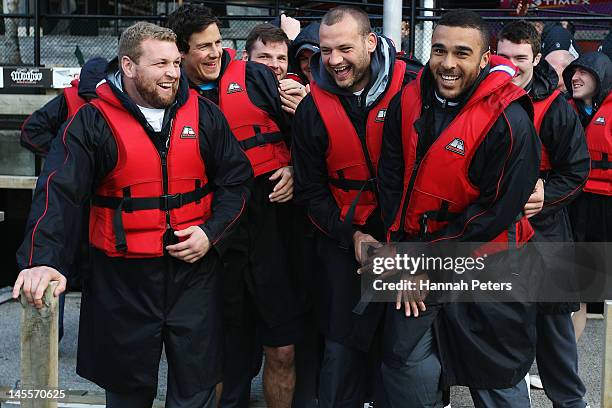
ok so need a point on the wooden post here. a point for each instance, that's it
(39, 344)
(606, 383)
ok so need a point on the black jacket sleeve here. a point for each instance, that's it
(391, 163)
(227, 168)
(505, 169)
(309, 149)
(563, 136)
(81, 154)
(262, 88)
(41, 127)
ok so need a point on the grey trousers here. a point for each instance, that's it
(415, 382)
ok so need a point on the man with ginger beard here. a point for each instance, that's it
(146, 154)
(459, 161)
(355, 75)
(260, 296)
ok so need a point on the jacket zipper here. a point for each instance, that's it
(164, 164)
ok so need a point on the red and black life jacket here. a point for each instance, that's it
(599, 141)
(73, 100)
(539, 110)
(437, 187)
(148, 193)
(351, 162)
(257, 134)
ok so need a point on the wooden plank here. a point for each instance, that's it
(6, 294)
(18, 182)
(23, 104)
(606, 383)
(39, 344)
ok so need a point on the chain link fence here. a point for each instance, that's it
(73, 31)
(589, 27)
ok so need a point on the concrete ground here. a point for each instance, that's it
(590, 359)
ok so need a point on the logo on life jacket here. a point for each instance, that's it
(380, 116)
(188, 133)
(456, 146)
(234, 87)
(600, 121)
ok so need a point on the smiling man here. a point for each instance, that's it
(563, 169)
(356, 74)
(269, 45)
(146, 153)
(259, 280)
(461, 123)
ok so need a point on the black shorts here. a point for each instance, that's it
(260, 260)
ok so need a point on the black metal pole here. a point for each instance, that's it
(28, 23)
(412, 33)
(36, 35)
(117, 20)
(277, 8)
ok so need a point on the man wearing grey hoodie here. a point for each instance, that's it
(336, 144)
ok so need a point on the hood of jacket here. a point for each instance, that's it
(91, 74)
(382, 60)
(600, 66)
(544, 81)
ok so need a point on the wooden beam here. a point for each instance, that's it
(23, 104)
(39, 343)
(606, 383)
(18, 182)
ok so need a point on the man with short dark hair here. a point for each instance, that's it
(458, 162)
(259, 282)
(269, 45)
(563, 169)
(146, 153)
(356, 74)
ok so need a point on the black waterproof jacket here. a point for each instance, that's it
(340, 290)
(41, 127)
(562, 136)
(86, 152)
(482, 345)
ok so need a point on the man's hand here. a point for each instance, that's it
(290, 26)
(291, 94)
(283, 190)
(536, 200)
(414, 300)
(193, 248)
(35, 281)
(360, 238)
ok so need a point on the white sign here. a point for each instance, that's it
(63, 76)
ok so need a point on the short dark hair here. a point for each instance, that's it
(189, 19)
(266, 33)
(521, 32)
(336, 15)
(467, 19)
